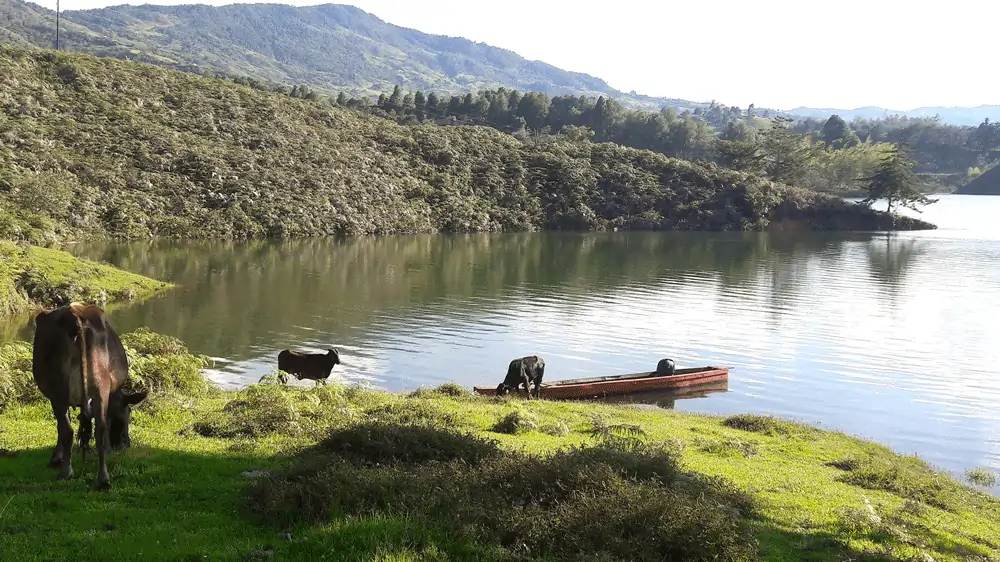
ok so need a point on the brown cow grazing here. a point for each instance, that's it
(526, 370)
(78, 361)
(312, 366)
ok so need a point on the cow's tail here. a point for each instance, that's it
(85, 375)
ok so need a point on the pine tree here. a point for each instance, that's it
(896, 183)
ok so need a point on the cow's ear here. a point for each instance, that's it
(136, 398)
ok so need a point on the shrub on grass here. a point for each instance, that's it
(597, 502)
(160, 364)
(728, 446)
(765, 425)
(555, 429)
(17, 386)
(516, 422)
(412, 411)
(447, 389)
(981, 477)
(907, 477)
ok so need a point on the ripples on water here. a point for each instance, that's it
(891, 338)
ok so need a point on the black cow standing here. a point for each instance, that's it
(527, 371)
(312, 366)
(79, 362)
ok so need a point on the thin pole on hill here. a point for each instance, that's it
(57, 25)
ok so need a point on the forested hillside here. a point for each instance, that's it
(829, 155)
(105, 146)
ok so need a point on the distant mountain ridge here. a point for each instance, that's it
(971, 116)
(334, 47)
(330, 47)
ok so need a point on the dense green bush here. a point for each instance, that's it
(161, 363)
(596, 502)
(16, 383)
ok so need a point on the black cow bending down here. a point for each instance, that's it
(312, 366)
(78, 361)
(526, 370)
(665, 368)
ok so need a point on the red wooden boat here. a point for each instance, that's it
(598, 387)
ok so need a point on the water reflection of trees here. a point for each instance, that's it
(890, 258)
(238, 295)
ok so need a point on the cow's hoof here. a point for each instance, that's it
(100, 486)
(66, 474)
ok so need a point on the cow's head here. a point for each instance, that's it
(503, 389)
(334, 355)
(120, 416)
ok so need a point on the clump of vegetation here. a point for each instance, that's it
(729, 446)
(261, 410)
(451, 389)
(556, 429)
(765, 425)
(377, 443)
(515, 422)
(160, 363)
(16, 383)
(617, 436)
(412, 411)
(609, 504)
(981, 477)
(907, 477)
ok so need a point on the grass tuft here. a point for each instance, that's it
(753, 423)
(907, 477)
(516, 422)
(980, 476)
(555, 429)
(728, 446)
(411, 411)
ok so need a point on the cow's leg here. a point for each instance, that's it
(84, 432)
(538, 387)
(103, 436)
(58, 452)
(65, 429)
(527, 384)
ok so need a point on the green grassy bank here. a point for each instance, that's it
(31, 277)
(344, 473)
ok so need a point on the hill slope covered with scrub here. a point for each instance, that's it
(104, 146)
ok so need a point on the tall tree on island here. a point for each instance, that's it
(894, 182)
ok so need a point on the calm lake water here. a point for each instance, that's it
(893, 338)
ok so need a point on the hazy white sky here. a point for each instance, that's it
(773, 53)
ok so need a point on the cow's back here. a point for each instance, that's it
(54, 357)
(118, 359)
